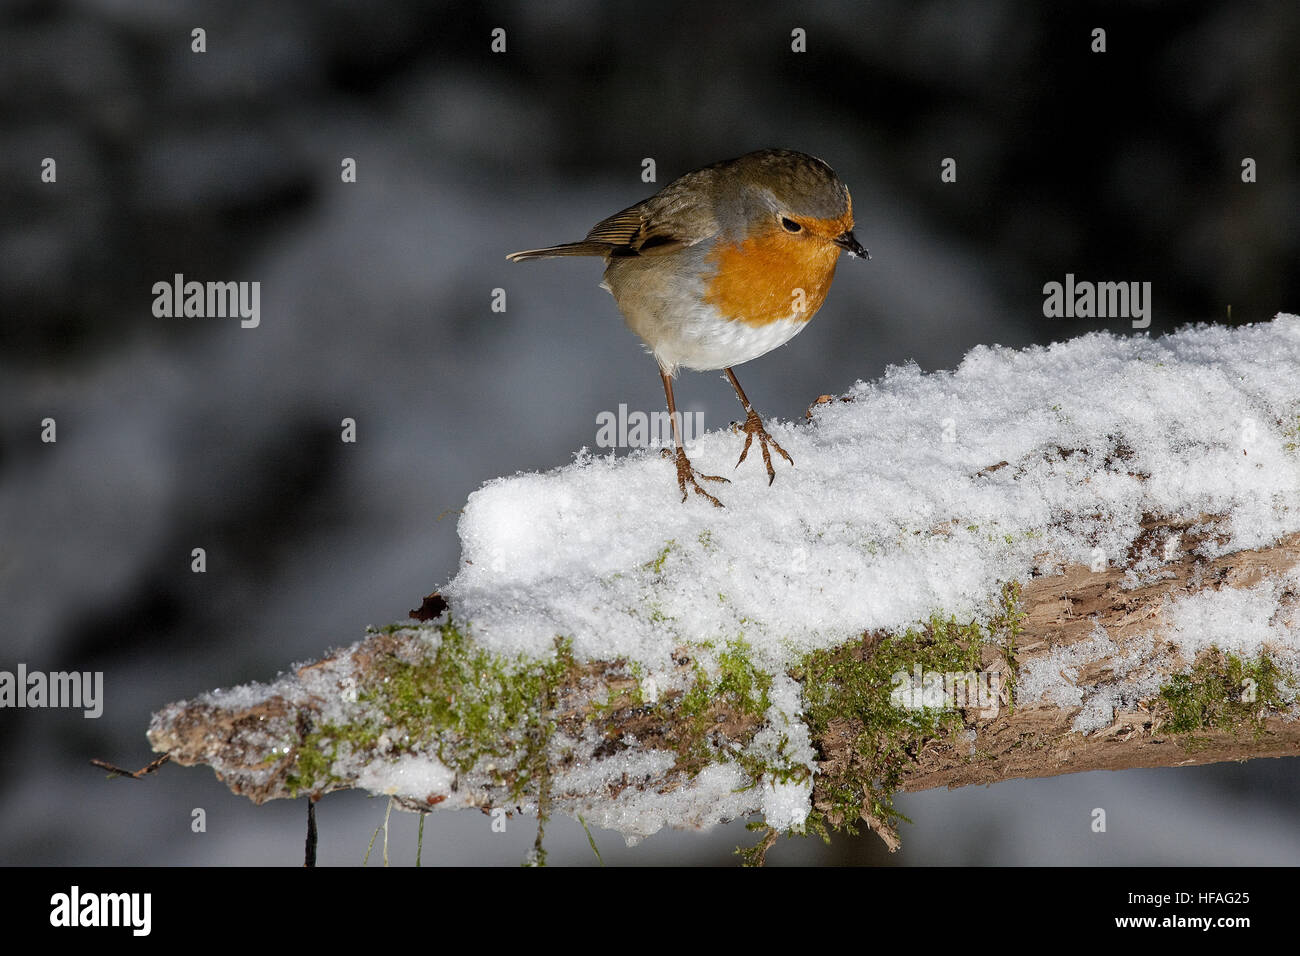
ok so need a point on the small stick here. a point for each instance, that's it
(134, 775)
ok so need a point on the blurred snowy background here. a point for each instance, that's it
(183, 433)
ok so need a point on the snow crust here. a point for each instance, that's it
(1139, 671)
(899, 503)
(411, 775)
(918, 494)
(915, 494)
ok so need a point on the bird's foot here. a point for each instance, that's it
(687, 473)
(753, 428)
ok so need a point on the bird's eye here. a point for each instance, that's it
(789, 225)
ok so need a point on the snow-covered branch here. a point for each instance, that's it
(1048, 560)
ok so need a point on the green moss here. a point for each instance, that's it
(461, 701)
(850, 687)
(741, 682)
(1292, 435)
(479, 711)
(657, 565)
(1225, 692)
(616, 699)
(314, 760)
(734, 686)
(1003, 627)
(754, 856)
(728, 696)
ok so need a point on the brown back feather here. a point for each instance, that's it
(564, 249)
(649, 228)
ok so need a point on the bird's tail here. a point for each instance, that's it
(564, 249)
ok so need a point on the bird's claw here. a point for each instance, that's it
(687, 473)
(752, 428)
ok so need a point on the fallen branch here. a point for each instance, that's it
(1173, 641)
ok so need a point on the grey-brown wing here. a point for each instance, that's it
(665, 222)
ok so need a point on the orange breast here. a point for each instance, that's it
(757, 280)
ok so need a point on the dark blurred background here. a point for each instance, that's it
(177, 433)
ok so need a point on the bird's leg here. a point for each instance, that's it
(686, 473)
(753, 427)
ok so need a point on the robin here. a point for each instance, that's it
(722, 266)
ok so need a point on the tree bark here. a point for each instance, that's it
(255, 743)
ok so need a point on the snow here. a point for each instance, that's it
(896, 506)
(411, 775)
(784, 741)
(1238, 620)
(785, 805)
(718, 792)
(1139, 671)
(1241, 621)
(919, 493)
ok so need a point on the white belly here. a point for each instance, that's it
(704, 342)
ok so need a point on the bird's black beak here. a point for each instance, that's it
(851, 245)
